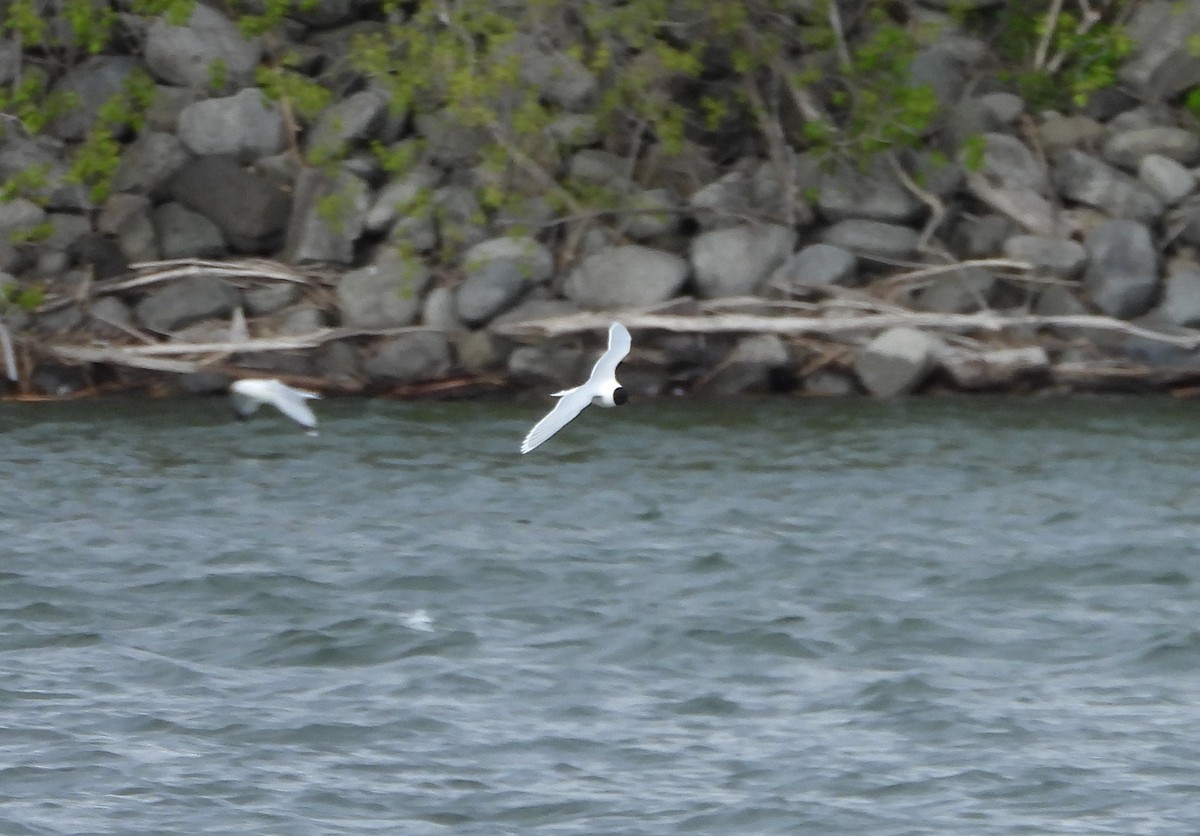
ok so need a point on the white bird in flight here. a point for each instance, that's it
(601, 389)
(248, 395)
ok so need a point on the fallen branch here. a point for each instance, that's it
(836, 325)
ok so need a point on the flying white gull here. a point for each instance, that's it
(248, 395)
(601, 389)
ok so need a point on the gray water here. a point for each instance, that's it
(778, 616)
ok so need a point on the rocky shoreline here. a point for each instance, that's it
(1009, 250)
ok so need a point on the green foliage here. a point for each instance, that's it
(95, 161)
(30, 100)
(1077, 58)
(32, 234)
(973, 150)
(25, 298)
(90, 24)
(25, 22)
(32, 183)
(175, 12)
(305, 97)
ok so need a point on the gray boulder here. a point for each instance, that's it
(896, 362)
(149, 162)
(1122, 273)
(752, 366)
(548, 364)
(874, 193)
(1013, 182)
(246, 126)
(557, 76)
(816, 266)
(1180, 303)
(251, 213)
(270, 298)
(959, 291)
(872, 239)
(460, 218)
(737, 260)
(450, 142)
(384, 294)
(497, 272)
(126, 218)
(185, 302)
(92, 82)
(1084, 179)
(182, 233)
(188, 55)
(438, 311)
(19, 215)
(410, 358)
(1127, 148)
(653, 212)
(1164, 63)
(398, 196)
(1056, 256)
(312, 234)
(628, 276)
(1167, 178)
(1059, 133)
(354, 118)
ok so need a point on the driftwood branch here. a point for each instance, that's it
(830, 326)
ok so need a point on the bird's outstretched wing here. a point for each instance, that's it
(570, 404)
(291, 402)
(247, 395)
(618, 346)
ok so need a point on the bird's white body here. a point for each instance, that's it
(601, 389)
(248, 395)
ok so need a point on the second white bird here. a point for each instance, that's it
(248, 395)
(601, 389)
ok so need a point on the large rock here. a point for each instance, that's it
(959, 291)
(497, 272)
(896, 362)
(126, 219)
(182, 233)
(186, 301)
(317, 234)
(872, 239)
(1164, 63)
(384, 294)
(816, 266)
(755, 364)
(397, 197)
(92, 83)
(208, 45)
(1057, 256)
(250, 212)
(354, 118)
(560, 78)
(149, 162)
(1127, 148)
(1012, 181)
(246, 126)
(1167, 178)
(1180, 303)
(628, 276)
(410, 358)
(874, 193)
(1122, 273)
(736, 261)
(1084, 179)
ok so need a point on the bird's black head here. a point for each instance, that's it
(620, 396)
